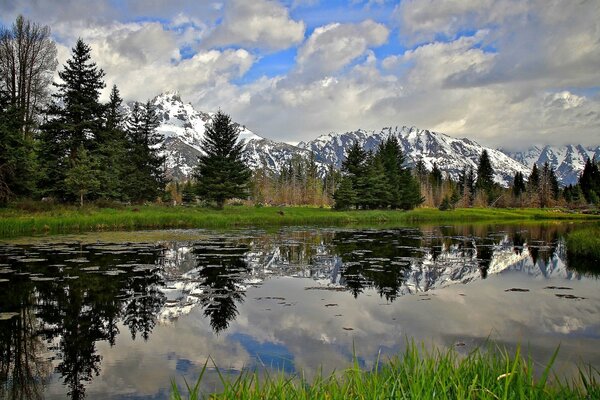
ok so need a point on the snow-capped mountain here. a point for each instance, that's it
(567, 161)
(450, 154)
(183, 128)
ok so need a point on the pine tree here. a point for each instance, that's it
(188, 194)
(589, 181)
(221, 173)
(111, 149)
(485, 173)
(75, 117)
(518, 186)
(17, 159)
(145, 172)
(82, 177)
(356, 168)
(345, 196)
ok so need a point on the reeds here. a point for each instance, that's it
(418, 373)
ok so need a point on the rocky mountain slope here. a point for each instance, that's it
(567, 161)
(450, 154)
(183, 128)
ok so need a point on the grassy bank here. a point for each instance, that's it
(585, 243)
(583, 250)
(417, 374)
(15, 222)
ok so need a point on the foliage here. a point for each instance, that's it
(74, 118)
(377, 180)
(221, 173)
(81, 179)
(418, 373)
(144, 174)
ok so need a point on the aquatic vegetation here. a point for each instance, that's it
(418, 373)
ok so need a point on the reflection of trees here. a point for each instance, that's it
(23, 372)
(221, 272)
(377, 259)
(144, 304)
(77, 307)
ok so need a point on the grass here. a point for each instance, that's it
(15, 222)
(585, 243)
(416, 374)
(583, 250)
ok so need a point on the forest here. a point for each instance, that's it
(61, 145)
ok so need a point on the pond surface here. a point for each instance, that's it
(121, 315)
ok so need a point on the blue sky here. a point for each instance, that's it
(503, 72)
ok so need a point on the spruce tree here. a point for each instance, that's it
(518, 186)
(111, 149)
(144, 178)
(82, 177)
(221, 173)
(345, 196)
(74, 117)
(589, 181)
(17, 159)
(485, 173)
(356, 168)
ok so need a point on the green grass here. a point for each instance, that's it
(583, 250)
(416, 374)
(585, 243)
(14, 222)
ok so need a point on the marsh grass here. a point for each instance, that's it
(18, 222)
(416, 374)
(583, 250)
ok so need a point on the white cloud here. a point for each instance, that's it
(257, 24)
(333, 46)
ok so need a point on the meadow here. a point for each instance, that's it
(70, 219)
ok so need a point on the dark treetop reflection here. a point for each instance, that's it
(57, 301)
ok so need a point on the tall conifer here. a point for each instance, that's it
(221, 173)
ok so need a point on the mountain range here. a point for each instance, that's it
(183, 128)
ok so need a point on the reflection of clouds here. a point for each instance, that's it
(315, 337)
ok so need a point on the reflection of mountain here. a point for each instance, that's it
(393, 262)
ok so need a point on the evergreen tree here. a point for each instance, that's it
(356, 168)
(589, 181)
(485, 173)
(17, 159)
(380, 191)
(145, 173)
(82, 177)
(75, 117)
(518, 186)
(111, 150)
(533, 182)
(345, 196)
(221, 173)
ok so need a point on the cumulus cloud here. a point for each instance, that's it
(261, 24)
(503, 72)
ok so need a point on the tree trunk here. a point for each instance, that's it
(81, 198)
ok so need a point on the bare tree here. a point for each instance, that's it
(27, 63)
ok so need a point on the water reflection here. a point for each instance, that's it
(59, 301)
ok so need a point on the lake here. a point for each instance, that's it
(119, 315)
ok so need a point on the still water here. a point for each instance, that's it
(120, 315)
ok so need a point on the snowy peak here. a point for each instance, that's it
(183, 128)
(568, 161)
(450, 154)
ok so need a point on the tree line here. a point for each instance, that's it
(68, 145)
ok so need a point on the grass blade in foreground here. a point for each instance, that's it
(417, 374)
